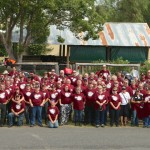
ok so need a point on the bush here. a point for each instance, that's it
(145, 67)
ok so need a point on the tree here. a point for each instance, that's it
(33, 19)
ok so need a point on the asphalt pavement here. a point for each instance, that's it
(74, 138)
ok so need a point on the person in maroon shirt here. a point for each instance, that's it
(89, 105)
(65, 105)
(104, 72)
(3, 102)
(13, 73)
(46, 97)
(36, 102)
(17, 111)
(53, 113)
(27, 93)
(78, 105)
(100, 106)
(115, 102)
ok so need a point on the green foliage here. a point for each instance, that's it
(117, 69)
(3, 51)
(60, 39)
(145, 67)
(113, 70)
(36, 49)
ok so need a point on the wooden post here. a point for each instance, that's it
(148, 58)
(68, 55)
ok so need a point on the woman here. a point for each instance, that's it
(65, 105)
(136, 102)
(100, 106)
(115, 102)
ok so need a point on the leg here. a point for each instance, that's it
(50, 124)
(80, 114)
(3, 114)
(20, 119)
(56, 124)
(33, 115)
(39, 115)
(117, 117)
(97, 116)
(10, 119)
(102, 113)
(112, 113)
(68, 111)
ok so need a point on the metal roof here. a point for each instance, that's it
(113, 34)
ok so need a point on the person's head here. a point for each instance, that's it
(62, 73)
(116, 84)
(74, 73)
(52, 103)
(123, 89)
(2, 87)
(37, 88)
(28, 87)
(13, 68)
(126, 82)
(114, 90)
(90, 86)
(94, 84)
(137, 92)
(66, 88)
(17, 90)
(53, 87)
(58, 84)
(104, 67)
(78, 90)
(68, 81)
(141, 86)
(100, 89)
(17, 97)
(92, 75)
(79, 82)
(86, 75)
(53, 71)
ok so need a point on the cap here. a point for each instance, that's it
(5, 72)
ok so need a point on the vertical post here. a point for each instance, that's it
(148, 55)
(60, 50)
(57, 68)
(108, 53)
(68, 54)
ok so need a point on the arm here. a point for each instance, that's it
(43, 102)
(30, 101)
(55, 118)
(22, 110)
(49, 116)
(112, 105)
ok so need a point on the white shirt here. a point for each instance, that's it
(125, 97)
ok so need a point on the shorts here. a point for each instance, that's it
(124, 110)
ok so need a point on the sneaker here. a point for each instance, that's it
(10, 126)
(31, 125)
(102, 125)
(40, 125)
(97, 126)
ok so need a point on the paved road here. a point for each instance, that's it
(75, 138)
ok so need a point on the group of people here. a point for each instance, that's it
(98, 99)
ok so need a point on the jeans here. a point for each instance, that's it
(147, 121)
(36, 112)
(99, 117)
(78, 114)
(11, 118)
(53, 125)
(3, 113)
(135, 120)
(114, 117)
(28, 114)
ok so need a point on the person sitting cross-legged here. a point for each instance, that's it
(17, 111)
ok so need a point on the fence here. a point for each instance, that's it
(88, 67)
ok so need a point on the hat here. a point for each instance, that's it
(123, 88)
(5, 72)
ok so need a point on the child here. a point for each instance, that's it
(53, 115)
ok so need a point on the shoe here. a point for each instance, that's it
(102, 125)
(40, 125)
(117, 125)
(97, 126)
(31, 125)
(10, 126)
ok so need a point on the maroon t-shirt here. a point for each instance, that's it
(100, 98)
(45, 93)
(89, 95)
(66, 97)
(115, 99)
(53, 111)
(37, 98)
(22, 85)
(78, 101)
(17, 107)
(3, 97)
(27, 95)
(54, 96)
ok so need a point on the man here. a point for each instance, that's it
(17, 111)
(36, 102)
(3, 102)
